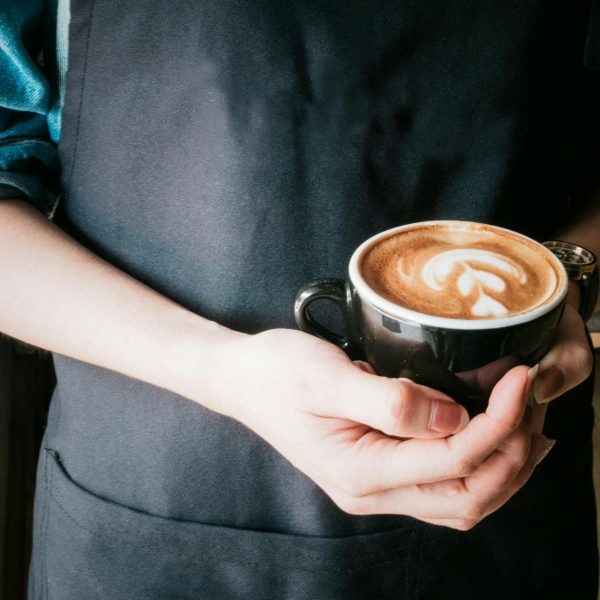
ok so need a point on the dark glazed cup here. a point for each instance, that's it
(462, 357)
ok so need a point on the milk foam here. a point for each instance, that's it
(439, 272)
(462, 272)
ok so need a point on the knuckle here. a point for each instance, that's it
(400, 403)
(515, 453)
(464, 467)
(508, 424)
(474, 509)
(353, 487)
(351, 478)
(464, 524)
(352, 505)
(584, 360)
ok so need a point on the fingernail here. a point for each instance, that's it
(532, 373)
(447, 417)
(546, 445)
(548, 384)
(364, 366)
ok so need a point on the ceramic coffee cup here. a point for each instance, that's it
(449, 304)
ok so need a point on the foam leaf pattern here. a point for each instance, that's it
(437, 272)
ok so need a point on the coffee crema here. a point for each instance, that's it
(461, 270)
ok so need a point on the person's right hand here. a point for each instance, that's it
(343, 427)
(377, 445)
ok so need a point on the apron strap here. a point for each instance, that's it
(591, 54)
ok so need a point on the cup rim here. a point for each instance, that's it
(405, 314)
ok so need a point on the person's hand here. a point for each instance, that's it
(568, 363)
(347, 430)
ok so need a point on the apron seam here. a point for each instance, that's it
(46, 519)
(397, 551)
(81, 94)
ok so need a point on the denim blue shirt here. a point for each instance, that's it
(33, 62)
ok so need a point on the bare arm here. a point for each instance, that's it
(336, 421)
(59, 296)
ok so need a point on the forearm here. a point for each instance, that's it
(59, 296)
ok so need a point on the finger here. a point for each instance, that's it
(447, 487)
(460, 504)
(469, 497)
(485, 378)
(540, 447)
(488, 431)
(500, 469)
(375, 462)
(537, 416)
(569, 361)
(494, 474)
(397, 407)
(364, 366)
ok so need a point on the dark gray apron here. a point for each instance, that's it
(226, 152)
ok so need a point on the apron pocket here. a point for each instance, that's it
(95, 548)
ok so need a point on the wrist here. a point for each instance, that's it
(199, 352)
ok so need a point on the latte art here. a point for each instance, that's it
(471, 263)
(465, 271)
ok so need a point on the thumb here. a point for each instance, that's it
(398, 407)
(508, 399)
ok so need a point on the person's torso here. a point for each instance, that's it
(227, 152)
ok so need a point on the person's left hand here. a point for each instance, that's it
(567, 364)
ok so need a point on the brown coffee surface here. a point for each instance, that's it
(461, 271)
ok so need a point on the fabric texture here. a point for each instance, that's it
(31, 98)
(226, 153)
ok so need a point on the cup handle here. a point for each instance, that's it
(337, 291)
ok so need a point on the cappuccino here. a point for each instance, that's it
(442, 302)
(461, 270)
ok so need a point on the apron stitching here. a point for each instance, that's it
(256, 563)
(47, 493)
(315, 556)
(81, 93)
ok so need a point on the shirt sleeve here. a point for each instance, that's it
(28, 98)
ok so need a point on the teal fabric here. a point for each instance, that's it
(31, 97)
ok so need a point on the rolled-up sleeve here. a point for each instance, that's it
(28, 100)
